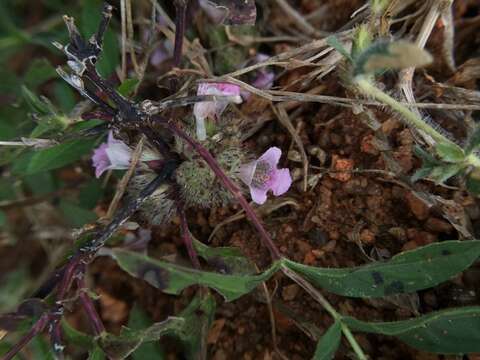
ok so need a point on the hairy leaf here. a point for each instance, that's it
(172, 278)
(328, 344)
(406, 272)
(52, 158)
(452, 331)
(450, 152)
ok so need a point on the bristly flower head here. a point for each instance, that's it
(213, 109)
(114, 154)
(262, 175)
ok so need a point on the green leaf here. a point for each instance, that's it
(328, 344)
(227, 260)
(96, 354)
(452, 331)
(450, 152)
(120, 347)
(76, 215)
(473, 141)
(52, 158)
(64, 96)
(427, 158)
(39, 71)
(75, 337)
(139, 320)
(198, 317)
(440, 174)
(406, 272)
(421, 173)
(172, 278)
(128, 86)
(473, 182)
(337, 45)
(35, 103)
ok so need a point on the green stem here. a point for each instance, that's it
(366, 86)
(353, 343)
(327, 306)
(371, 90)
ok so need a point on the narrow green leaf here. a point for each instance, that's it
(139, 320)
(35, 103)
(227, 260)
(442, 173)
(421, 173)
(76, 215)
(172, 278)
(198, 317)
(39, 71)
(452, 331)
(450, 152)
(427, 158)
(128, 86)
(406, 272)
(337, 45)
(96, 354)
(76, 337)
(328, 344)
(122, 346)
(473, 182)
(52, 158)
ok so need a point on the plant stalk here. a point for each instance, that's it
(369, 89)
(309, 288)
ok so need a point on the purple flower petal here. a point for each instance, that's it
(271, 156)
(114, 154)
(263, 175)
(259, 196)
(247, 171)
(282, 182)
(100, 159)
(213, 109)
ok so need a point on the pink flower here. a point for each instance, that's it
(213, 109)
(114, 154)
(263, 77)
(263, 175)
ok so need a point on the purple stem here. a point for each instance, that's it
(187, 239)
(89, 308)
(180, 16)
(36, 329)
(229, 184)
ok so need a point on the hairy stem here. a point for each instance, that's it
(371, 90)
